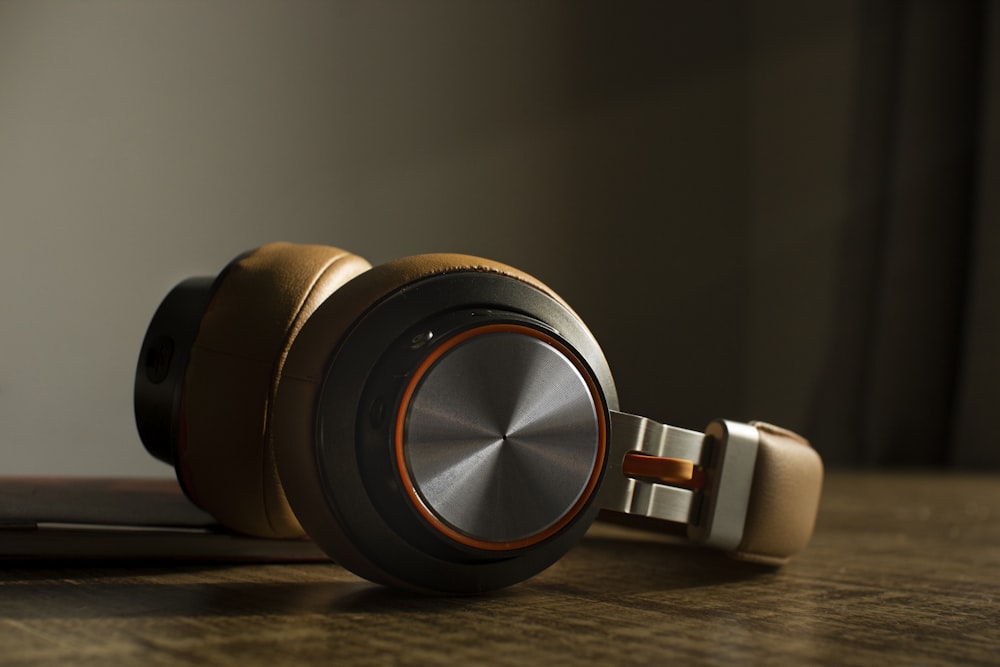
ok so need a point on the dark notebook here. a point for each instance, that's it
(69, 519)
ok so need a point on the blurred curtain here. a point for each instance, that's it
(914, 369)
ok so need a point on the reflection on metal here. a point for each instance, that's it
(502, 437)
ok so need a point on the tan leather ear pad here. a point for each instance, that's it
(261, 302)
(307, 360)
(787, 481)
(302, 379)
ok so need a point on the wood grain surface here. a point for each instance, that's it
(904, 569)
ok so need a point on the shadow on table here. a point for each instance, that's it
(608, 562)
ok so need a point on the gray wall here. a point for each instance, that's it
(677, 172)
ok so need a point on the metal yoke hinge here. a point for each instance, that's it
(703, 480)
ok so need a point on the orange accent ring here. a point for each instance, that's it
(404, 406)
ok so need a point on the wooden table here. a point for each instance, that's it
(904, 569)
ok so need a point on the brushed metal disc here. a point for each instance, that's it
(502, 437)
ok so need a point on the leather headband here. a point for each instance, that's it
(787, 482)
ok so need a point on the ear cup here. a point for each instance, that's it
(323, 415)
(260, 303)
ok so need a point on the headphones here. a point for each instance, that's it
(441, 423)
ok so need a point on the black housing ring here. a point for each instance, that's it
(355, 412)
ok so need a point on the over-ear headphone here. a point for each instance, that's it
(441, 423)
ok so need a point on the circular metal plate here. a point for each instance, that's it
(502, 437)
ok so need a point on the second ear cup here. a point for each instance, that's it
(401, 369)
(225, 455)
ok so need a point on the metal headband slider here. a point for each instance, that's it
(652, 470)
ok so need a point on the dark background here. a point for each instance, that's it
(775, 210)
